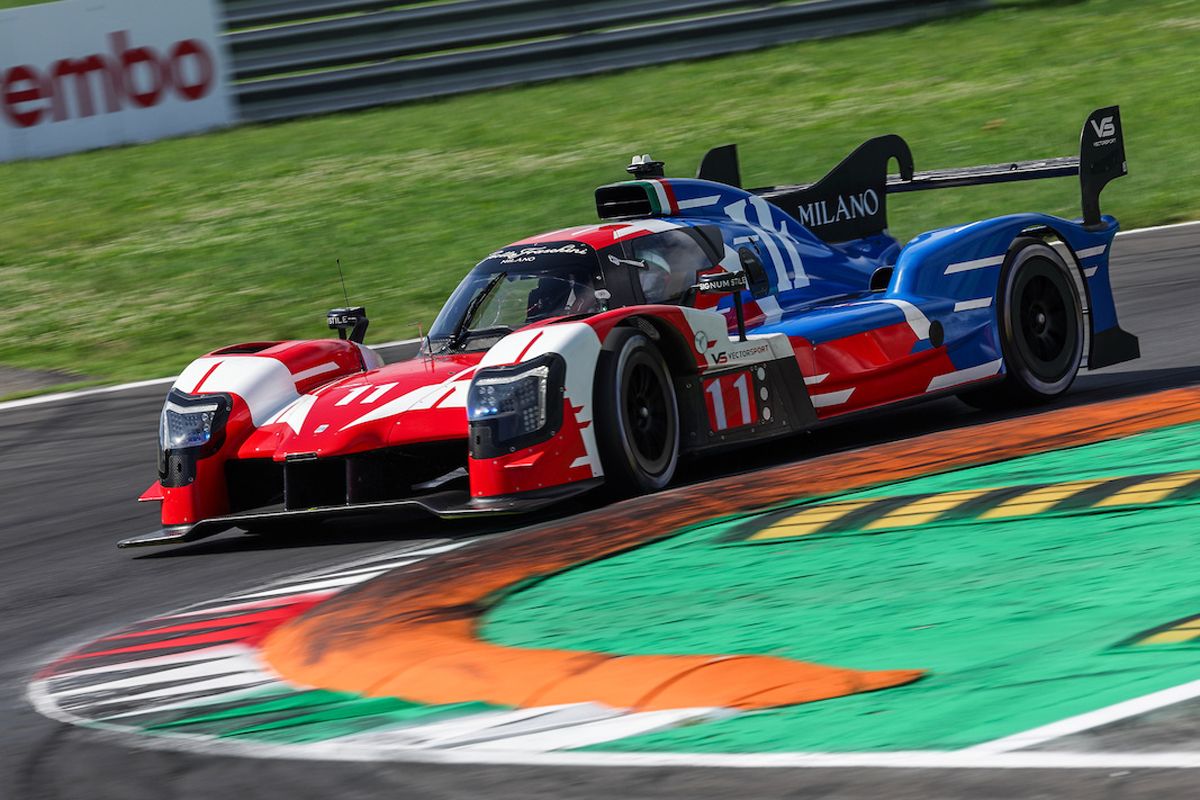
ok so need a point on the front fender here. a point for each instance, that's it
(262, 379)
(570, 454)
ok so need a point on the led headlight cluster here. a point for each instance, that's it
(181, 427)
(189, 428)
(512, 407)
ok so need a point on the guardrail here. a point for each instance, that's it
(362, 55)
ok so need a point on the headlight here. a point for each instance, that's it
(516, 402)
(181, 427)
(190, 422)
(189, 428)
(512, 407)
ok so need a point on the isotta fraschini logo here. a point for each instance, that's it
(126, 77)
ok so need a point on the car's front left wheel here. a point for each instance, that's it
(637, 413)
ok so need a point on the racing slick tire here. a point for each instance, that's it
(637, 414)
(1041, 329)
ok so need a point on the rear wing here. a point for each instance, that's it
(851, 201)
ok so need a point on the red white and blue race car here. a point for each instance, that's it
(696, 316)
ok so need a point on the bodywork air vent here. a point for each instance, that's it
(625, 200)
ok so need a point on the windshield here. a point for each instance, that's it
(518, 285)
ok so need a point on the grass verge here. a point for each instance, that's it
(126, 263)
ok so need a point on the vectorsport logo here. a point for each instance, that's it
(128, 77)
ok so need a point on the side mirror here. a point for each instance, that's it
(353, 320)
(726, 283)
(756, 273)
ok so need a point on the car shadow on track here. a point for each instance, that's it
(866, 430)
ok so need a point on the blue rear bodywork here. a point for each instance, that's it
(822, 291)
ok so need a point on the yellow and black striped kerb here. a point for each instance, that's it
(877, 514)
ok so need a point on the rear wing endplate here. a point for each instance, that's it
(851, 201)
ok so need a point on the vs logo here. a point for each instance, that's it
(1105, 128)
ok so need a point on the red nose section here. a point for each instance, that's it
(422, 400)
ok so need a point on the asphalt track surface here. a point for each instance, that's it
(69, 471)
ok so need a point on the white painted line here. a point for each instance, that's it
(309, 588)
(551, 723)
(1156, 228)
(126, 387)
(831, 398)
(601, 730)
(473, 727)
(967, 375)
(225, 682)
(54, 398)
(240, 663)
(970, 305)
(979, 263)
(1092, 719)
(191, 656)
(199, 703)
(387, 565)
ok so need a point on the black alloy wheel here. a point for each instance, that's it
(1041, 328)
(637, 414)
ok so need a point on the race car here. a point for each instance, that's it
(695, 316)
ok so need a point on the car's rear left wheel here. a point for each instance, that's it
(1041, 329)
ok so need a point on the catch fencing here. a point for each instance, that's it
(295, 58)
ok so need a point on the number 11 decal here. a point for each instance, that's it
(730, 401)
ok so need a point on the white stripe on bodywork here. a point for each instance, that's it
(644, 226)
(815, 379)
(962, 376)
(265, 384)
(831, 398)
(1090, 271)
(770, 308)
(293, 415)
(979, 263)
(970, 305)
(664, 202)
(312, 372)
(699, 202)
(915, 318)
(1092, 251)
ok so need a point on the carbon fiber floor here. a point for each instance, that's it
(70, 470)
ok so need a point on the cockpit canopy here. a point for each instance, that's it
(527, 283)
